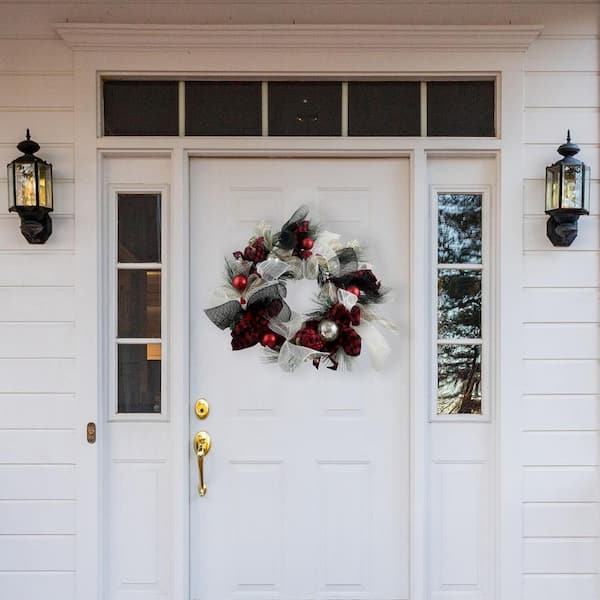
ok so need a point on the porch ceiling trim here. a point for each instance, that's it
(93, 37)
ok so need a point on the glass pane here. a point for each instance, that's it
(25, 184)
(461, 108)
(552, 187)
(586, 186)
(459, 228)
(45, 173)
(139, 378)
(139, 228)
(141, 108)
(459, 304)
(459, 380)
(305, 108)
(139, 304)
(11, 185)
(572, 186)
(223, 108)
(384, 108)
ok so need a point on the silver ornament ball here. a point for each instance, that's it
(328, 330)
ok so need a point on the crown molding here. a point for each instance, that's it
(93, 37)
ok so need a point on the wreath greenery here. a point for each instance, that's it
(252, 303)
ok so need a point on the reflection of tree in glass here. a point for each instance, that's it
(459, 228)
(459, 380)
(459, 304)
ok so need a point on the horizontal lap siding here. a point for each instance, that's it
(561, 312)
(37, 334)
(561, 586)
(557, 520)
(27, 586)
(37, 303)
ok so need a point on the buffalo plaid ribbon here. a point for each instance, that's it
(249, 330)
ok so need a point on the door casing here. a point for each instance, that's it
(98, 51)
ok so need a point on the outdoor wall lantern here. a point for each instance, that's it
(30, 192)
(567, 194)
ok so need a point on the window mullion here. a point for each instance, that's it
(423, 109)
(264, 90)
(344, 109)
(181, 108)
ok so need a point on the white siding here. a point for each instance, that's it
(37, 324)
(561, 317)
(561, 310)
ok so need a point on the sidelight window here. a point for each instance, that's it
(461, 302)
(139, 282)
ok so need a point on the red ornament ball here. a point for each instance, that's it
(308, 243)
(239, 282)
(269, 340)
(353, 289)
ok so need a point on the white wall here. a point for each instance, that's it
(561, 314)
(39, 433)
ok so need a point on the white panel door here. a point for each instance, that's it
(308, 475)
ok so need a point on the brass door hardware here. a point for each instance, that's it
(202, 409)
(91, 433)
(202, 444)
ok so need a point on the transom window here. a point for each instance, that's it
(462, 108)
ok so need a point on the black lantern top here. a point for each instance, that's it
(29, 180)
(28, 146)
(568, 182)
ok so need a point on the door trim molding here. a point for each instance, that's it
(149, 38)
(346, 58)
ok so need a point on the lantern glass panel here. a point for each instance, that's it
(572, 187)
(552, 187)
(11, 186)
(25, 184)
(45, 182)
(586, 187)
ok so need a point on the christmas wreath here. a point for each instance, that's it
(252, 302)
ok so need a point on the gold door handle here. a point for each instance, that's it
(202, 444)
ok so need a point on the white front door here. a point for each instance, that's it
(308, 475)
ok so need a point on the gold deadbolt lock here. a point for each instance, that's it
(202, 408)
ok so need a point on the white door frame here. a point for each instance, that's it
(267, 52)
